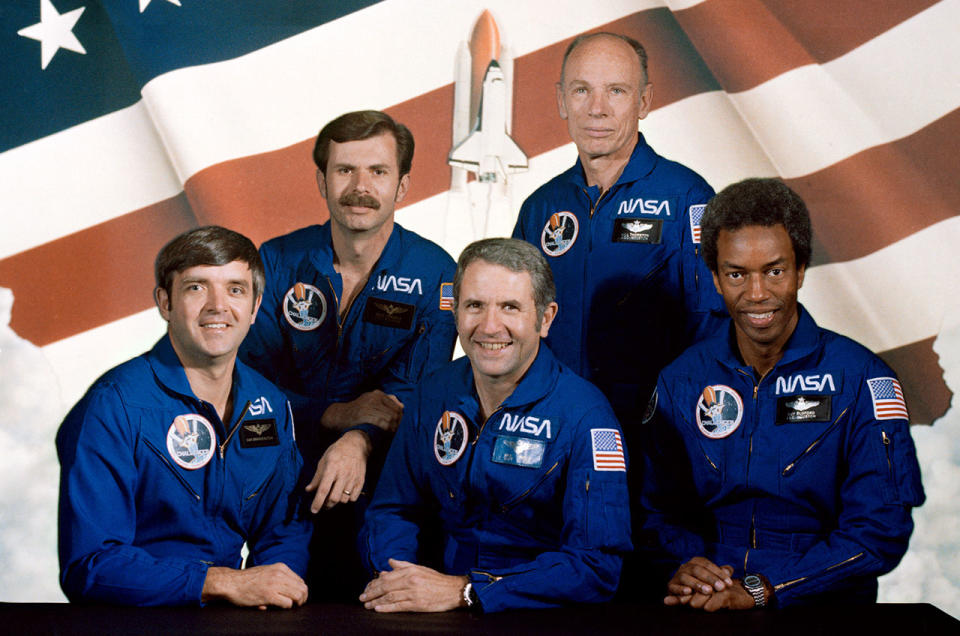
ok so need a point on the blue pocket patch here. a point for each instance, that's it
(518, 451)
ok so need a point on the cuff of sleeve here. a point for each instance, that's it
(376, 434)
(196, 577)
(485, 586)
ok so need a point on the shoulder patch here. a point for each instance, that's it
(887, 397)
(446, 296)
(696, 213)
(651, 409)
(607, 450)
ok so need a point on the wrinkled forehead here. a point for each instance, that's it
(603, 59)
(234, 271)
(490, 282)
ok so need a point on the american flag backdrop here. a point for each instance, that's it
(125, 122)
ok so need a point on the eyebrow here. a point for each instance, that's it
(777, 261)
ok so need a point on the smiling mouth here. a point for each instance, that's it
(493, 346)
(215, 325)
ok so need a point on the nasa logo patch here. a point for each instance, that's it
(559, 234)
(190, 441)
(719, 411)
(450, 438)
(304, 307)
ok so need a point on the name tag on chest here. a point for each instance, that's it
(518, 451)
(254, 433)
(388, 313)
(637, 231)
(803, 408)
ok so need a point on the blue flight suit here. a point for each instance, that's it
(393, 333)
(137, 526)
(806, 476)
(632, 288)
(523, 508)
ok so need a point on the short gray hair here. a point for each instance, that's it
(517, 256)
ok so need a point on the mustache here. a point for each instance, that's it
(354, 199)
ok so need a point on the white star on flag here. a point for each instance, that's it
(54, 32)
(146, 3)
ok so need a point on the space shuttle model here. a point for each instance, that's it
(489, 151)
(482, 145)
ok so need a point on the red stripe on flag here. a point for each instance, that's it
(884, 194)
(747, 42)
(92, 277)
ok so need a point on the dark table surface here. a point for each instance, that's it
(63, 618)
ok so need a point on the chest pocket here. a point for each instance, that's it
(524, 472)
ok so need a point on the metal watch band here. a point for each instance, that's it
(754, 584)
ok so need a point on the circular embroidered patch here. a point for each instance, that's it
(450, 438)
(719, 411)
(304, 307)
(560, 233)
(191, 441)
(651, 408)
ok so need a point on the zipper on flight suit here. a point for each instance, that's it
(886, 448)
(173, 470)
(243, 413)
(340, 322)
(785, 584)
(513, 502)
(813, 445)
(753, 515)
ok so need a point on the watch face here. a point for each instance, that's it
(752, 580)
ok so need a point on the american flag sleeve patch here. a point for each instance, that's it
(887, 396)
(607, 449)
(446, 296)
(696, 213)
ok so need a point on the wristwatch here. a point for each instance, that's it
(470, 597)
(754, 584)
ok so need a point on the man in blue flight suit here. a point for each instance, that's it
(520, 460)
(175, 459)
(353, 316)
(780, 468)
(621, 231)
